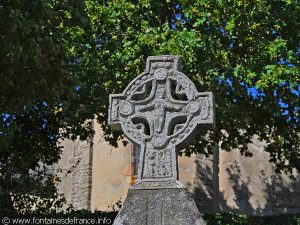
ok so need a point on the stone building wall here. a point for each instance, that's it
(112, 172)
(82, 176)
(203, 187)
(250, 184)
(97, 176)
(75, 172)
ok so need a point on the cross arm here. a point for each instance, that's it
(115, 103)
(206, 103)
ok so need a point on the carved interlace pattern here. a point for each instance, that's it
(159, 110)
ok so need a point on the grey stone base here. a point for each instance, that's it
(159, 207)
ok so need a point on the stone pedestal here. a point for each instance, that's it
(159, 207)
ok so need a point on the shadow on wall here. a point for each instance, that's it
(261, 194)
(204, 190)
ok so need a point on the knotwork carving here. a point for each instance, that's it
(160, 110)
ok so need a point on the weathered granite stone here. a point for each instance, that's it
(160, 110)
(157, 207)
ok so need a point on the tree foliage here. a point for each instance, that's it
(35, 79)
(247, 53)
(61, 59)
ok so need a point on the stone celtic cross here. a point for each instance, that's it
(160, 110)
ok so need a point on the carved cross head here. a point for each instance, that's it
(160, 110)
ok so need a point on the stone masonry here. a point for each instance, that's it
(75, 171)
